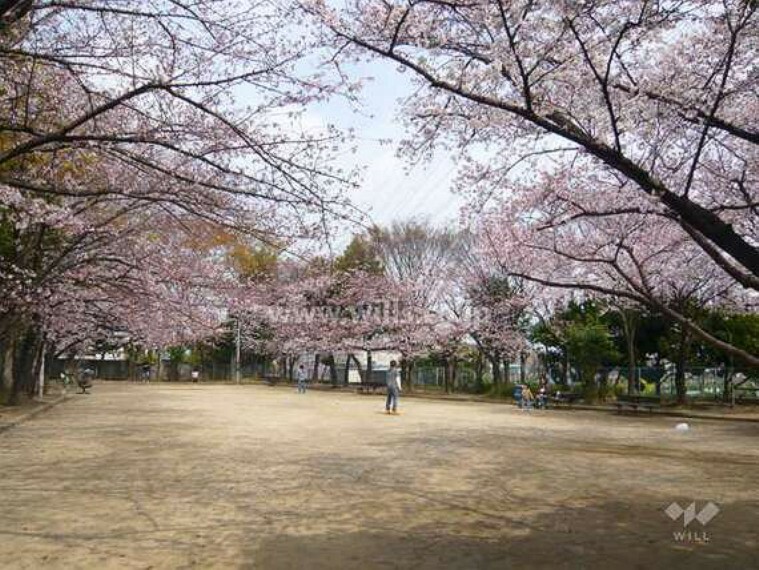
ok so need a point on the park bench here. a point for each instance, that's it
(635, 402)
(746, 395)
(564, 398)
(370, 387)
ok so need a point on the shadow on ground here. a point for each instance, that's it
(608, 535)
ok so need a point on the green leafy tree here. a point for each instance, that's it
(359, 255)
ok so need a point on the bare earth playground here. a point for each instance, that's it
(156, 476)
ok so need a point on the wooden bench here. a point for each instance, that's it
(564, 398)
(370, 387)
(635, 402)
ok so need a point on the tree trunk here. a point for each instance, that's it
(332, 369)
(24, 368)
(173, 371)
(680, 363)
(369, 364)
(42, 371)
(628, 326)
(727, 386)
(361, 376)
(159, 363)
(479, 372)
(346, 374)
(604, 385)
(588, 381)
(291, 360)
(566, 367)
(522, 368)
(37, 382)
(9, 354)
(315, 369)
(495, 363)
(447, 375)
(680, 382)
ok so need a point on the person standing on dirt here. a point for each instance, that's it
(145, 373)
(301, 377)
(393, 388)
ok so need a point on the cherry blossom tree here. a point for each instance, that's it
(659, 95)
(145, 280)
(311, 308)
(638, 258)
(613, 137)
(124, 129)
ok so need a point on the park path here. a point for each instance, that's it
(182, 476)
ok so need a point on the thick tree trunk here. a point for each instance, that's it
(588, 381)
(291, 360)
(522, 368)
(173, 371)
(9, 357)
(369, 367)
(332, 369)
(447, 375)
(24, 367)
(495, 363)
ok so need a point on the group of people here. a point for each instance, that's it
(393, 385)
(526, 400)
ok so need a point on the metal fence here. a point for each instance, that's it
(706, 383)
(701, 382)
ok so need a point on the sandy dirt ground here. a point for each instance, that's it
(187, 476)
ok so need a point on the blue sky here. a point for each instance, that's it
(391, 190)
